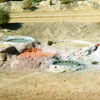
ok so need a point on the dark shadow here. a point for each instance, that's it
(12, 26)
(34, 8)
(11, 50)
(31, 9)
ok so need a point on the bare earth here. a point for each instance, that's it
(49, 86)
(84, 16)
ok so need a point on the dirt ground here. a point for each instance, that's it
(49, 86)
(44, 31)
(84, 85)
(59, 16)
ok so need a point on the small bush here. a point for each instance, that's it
(4, 16)
(95, 62)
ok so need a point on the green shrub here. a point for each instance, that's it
(4, 16)
(95, 62)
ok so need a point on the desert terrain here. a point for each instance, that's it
(45, 26)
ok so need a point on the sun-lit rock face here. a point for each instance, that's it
(13, 6)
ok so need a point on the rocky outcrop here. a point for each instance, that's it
(16, 6)
(5, 6)
(13, 6)
(51, 5)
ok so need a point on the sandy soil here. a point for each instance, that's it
(56, 31)
(84, 85)
(49, 86)
(83, 16)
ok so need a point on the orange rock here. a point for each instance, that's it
(35, 53)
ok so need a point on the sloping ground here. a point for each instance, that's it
(57, 31)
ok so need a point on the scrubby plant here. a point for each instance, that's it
(4, 16)
(95, 62)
